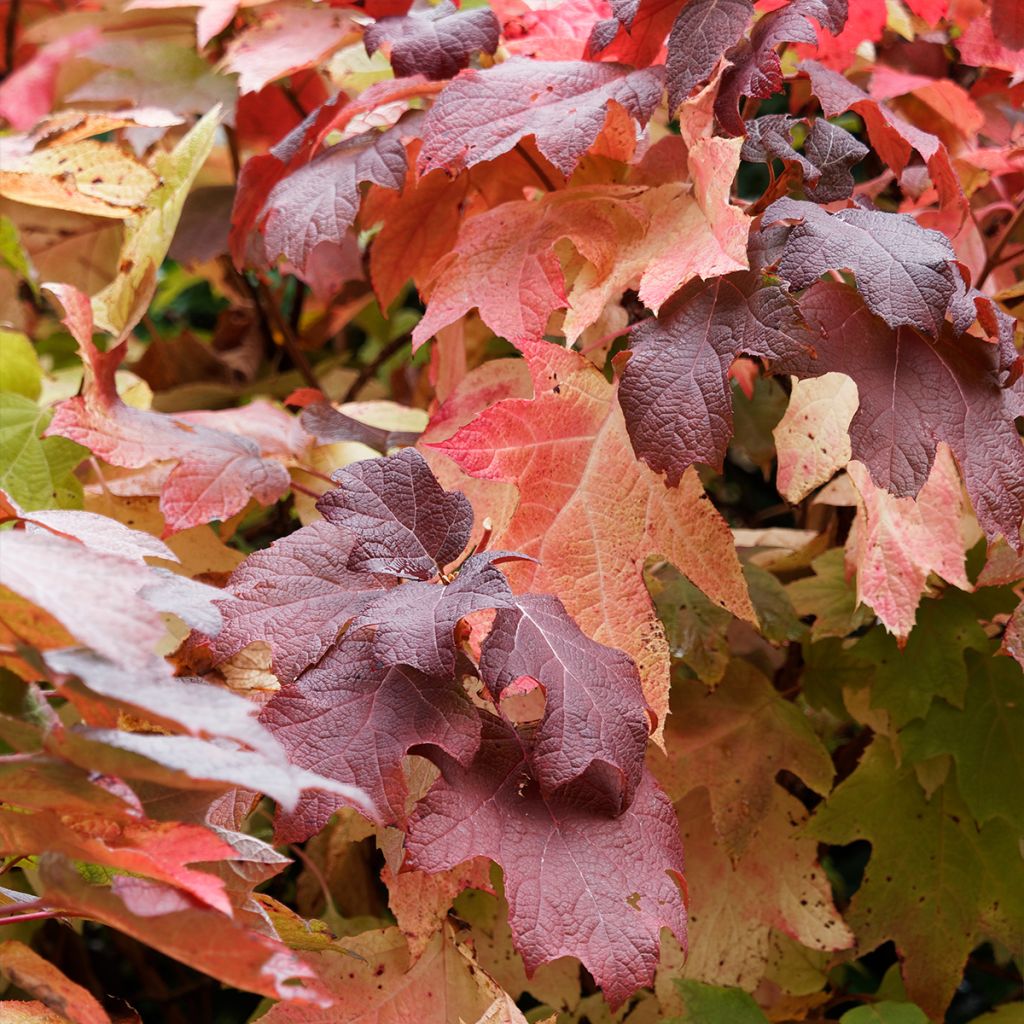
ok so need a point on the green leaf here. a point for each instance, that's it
(936, 884)
(36, 471)
(708, 1004)
(120, 306)
(20, 371)
(932, 662)
(830, 598)
(12, 255)
(885, 1013)
(986, 739)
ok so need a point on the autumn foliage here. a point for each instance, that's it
(511, 512)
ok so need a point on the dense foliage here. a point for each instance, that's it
(512, 512)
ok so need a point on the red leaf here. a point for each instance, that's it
(563, 104)
(578, 883)
(173, 923)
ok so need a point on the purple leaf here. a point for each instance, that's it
(329, 426)
(405, 523)
(595, 724)
(352, 718)
(915, 392)
(436, 43)
(579, 883)
(675, 391)
(415, 623)
(319, 202)
(296, 595)
(826, 158)
(702, 33)
(904, 271)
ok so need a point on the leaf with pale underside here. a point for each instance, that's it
(896, 543)
(216, 472)
(169, 920)
(813, 437)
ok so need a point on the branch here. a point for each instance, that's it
(11, 37)
(370, 369)
(536, 168)
(992, 260)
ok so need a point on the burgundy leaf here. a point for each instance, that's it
(563, 104)
(352, 718)
(756, 69)
(318, 203)
(893, 138)
(595, 723)
(702, 33)
(296, 595)
(915, 392)
(415, 623)
(828, 153)
(579, 883)
(437, 43)
(329, 426)
(404, 522)
(904, 271)
(675, 392)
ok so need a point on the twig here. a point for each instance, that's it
(992, 260)
(271, 318)
(393, 346)
(536, 168)
(310, 471)
(11, 37)
(308, 491)
(39, 915)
